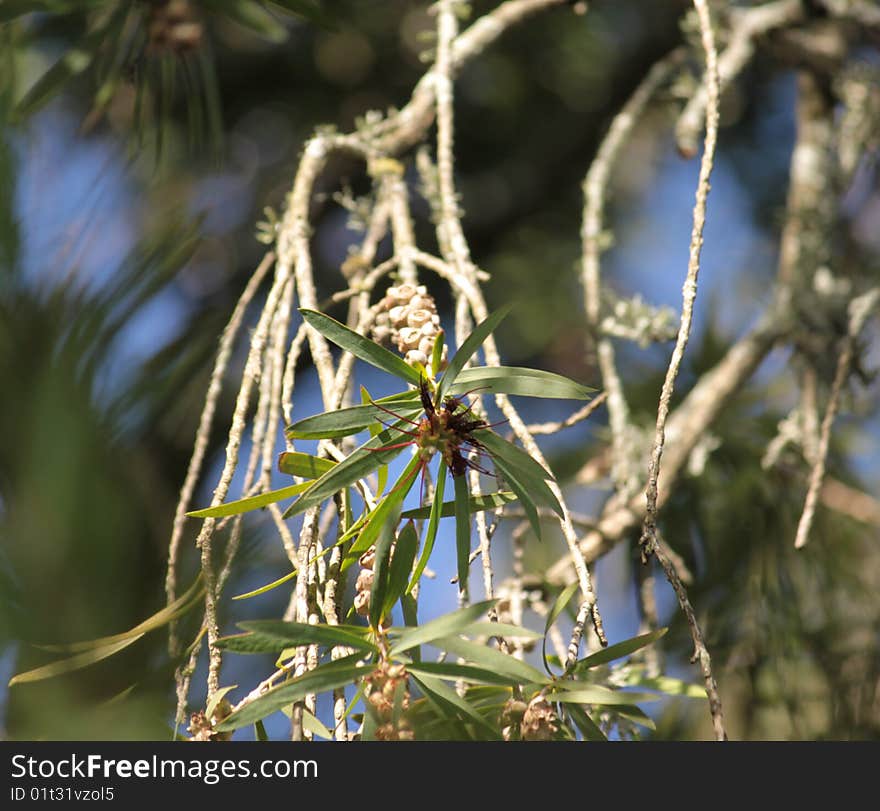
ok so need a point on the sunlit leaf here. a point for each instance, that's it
(444, 696)
(468, 673)
(462, 530)
(558, 607)
(313, 725)
(305, 465)
(518, 380)
(324, 678)
(76, 662)
(359, 463)
(491, 659)
(487, 501)
(445, 625)
(348, 421)
(401, 565)
(271, 636)
(433, 515)
(580, 693)
(251, 503)
(619, 650)
(360, 347)
(216, 698)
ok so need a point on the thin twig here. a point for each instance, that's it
(542, 428)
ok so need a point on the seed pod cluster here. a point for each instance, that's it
(364, 582)
(408, 319)
(539, 721)
(173, 26)
(389, 685)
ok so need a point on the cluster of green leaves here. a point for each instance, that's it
(526, 478)
(114, 49)
(438, 711)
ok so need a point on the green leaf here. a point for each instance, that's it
(558, 607)
(468, 673)
(161, 618)
(76, 662)
(437, 353)
(492, 659)
(518, 380)
(244, 505)
(260, 731)
(619, 650)
(268, 587)
(348, 421)
(445, 625)
(387, 524)
(271, 636)
(669, 686)
(444, 696)
(462, 530)
(313, 725)
(487, 501)
(303, 464)
(360, 347)
(634, 714)
(588, 727)
(580, 693)
(386, 510)
(433, 523)
(465, 352)
(322, 679)
(504, 629)
(401, 565)
(360, 462)
(523, 467)
(216, 698)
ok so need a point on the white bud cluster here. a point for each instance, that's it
(408, 319)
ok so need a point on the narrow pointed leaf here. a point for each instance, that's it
(558, 607)
(268, 587)
(305, 465)
(322, 679)
(580, 693)
(669, 686)
(444, 695)
(386, 510)
(437, 353)
(348, 421)
(492, 659)
(462, 530)
(588, 727)
(361, 462)
(401, 565)
(433, 523)
(519, 381)
(271, 636)
(251, 503)
(216, 698)
(260, 731)
(441, 626)
(313, 725)
(158, 620)
(466, 351)
(385, 539)
(360, 347)
(504, 629)
(524, 468)
(633, 713)
(619, 650)
(487, 501)
(75, 662)
(468, 673)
